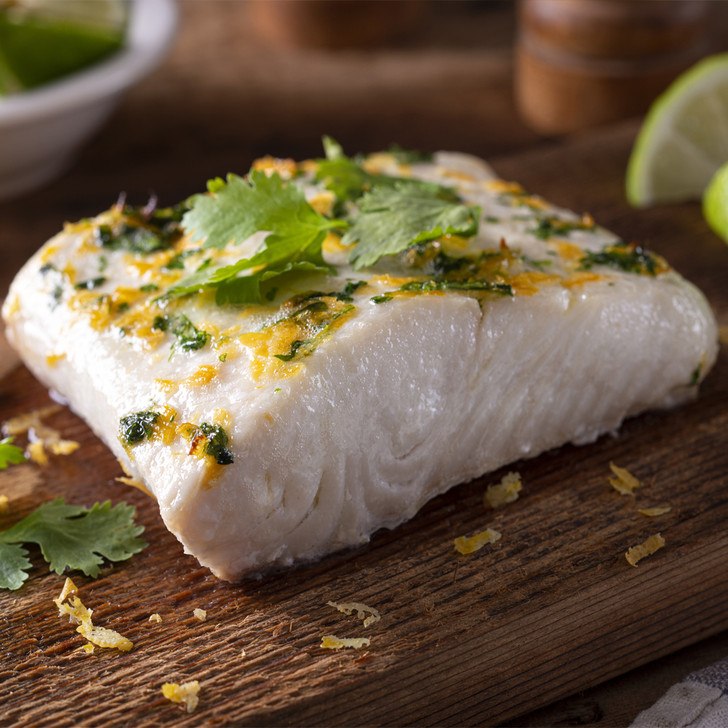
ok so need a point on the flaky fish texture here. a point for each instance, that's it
(279, 432)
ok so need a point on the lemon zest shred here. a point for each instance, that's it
(200, 614)
(624, 483)
(69, 603)
(331, 642)
(468, 545)
(185, 694)
(504, 492)
(655, 511)
(647, 548)
(360, 609)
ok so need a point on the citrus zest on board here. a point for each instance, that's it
(331, 642)
(624, 482)
(185, 694)
(360, 609)
(636, 553)
(467, 545)
(68, 603)
(504, 492)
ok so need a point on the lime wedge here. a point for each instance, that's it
(684, 138)
(42, 40)
(715, 203)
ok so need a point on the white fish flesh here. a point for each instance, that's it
(302, 425)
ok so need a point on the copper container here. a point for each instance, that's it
(583, 63)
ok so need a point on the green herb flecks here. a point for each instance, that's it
(189, 338)
(409, 156)
(502, 289)
(70, 537)
(217, 443)
(136, 427)
(90, 284)
(10, 454)
(549, 227)
(391, 220)
(312, 316)
(142, 230)
(348, 180)
(383, 298)
(630, 258)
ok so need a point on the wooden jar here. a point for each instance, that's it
(582, 63)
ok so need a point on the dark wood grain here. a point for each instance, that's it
(551, 609)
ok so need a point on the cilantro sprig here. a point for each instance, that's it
(235, 209)
(9, 453)
(70, 537)
(383, 215)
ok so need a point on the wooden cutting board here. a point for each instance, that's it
(550, 609)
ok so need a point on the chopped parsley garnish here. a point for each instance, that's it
(390, 220)
(441, 284)
(549, 227)
(90, 284)
(137, 427)
(217, 443)
(149, 288)
(409, 156)
(189, 338)
(348, 180)
(312, 319)
(630, 258)
(383, 298)
(142, 230)
(70, 537)
(10, 454)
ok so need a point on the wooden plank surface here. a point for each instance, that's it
(551, 609)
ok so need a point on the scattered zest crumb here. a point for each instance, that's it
(652, 544)
(624, 483)
(360, 609)
(467, 545)
(200, 614)
(88, 648)
(242, 653)
(68, 603)
(656, 511)
(330, 642)
(185, 694)
(41, 436)
(4, 507)
(155, 618)
(504, 492)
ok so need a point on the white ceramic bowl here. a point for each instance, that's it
(41, 129)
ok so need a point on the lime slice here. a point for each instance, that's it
(684, 138)
(715, 203)
(42, 40)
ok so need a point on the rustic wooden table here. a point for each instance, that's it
(226, 95)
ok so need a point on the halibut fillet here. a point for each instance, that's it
(302, 425)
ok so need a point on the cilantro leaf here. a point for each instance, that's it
(233, 211)
(70, 537)
(391, 220)
(10, 453)
(348, 180)
(262, 286)
(236, 209)
(14, 564)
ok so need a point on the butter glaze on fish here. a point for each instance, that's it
(396, 396)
